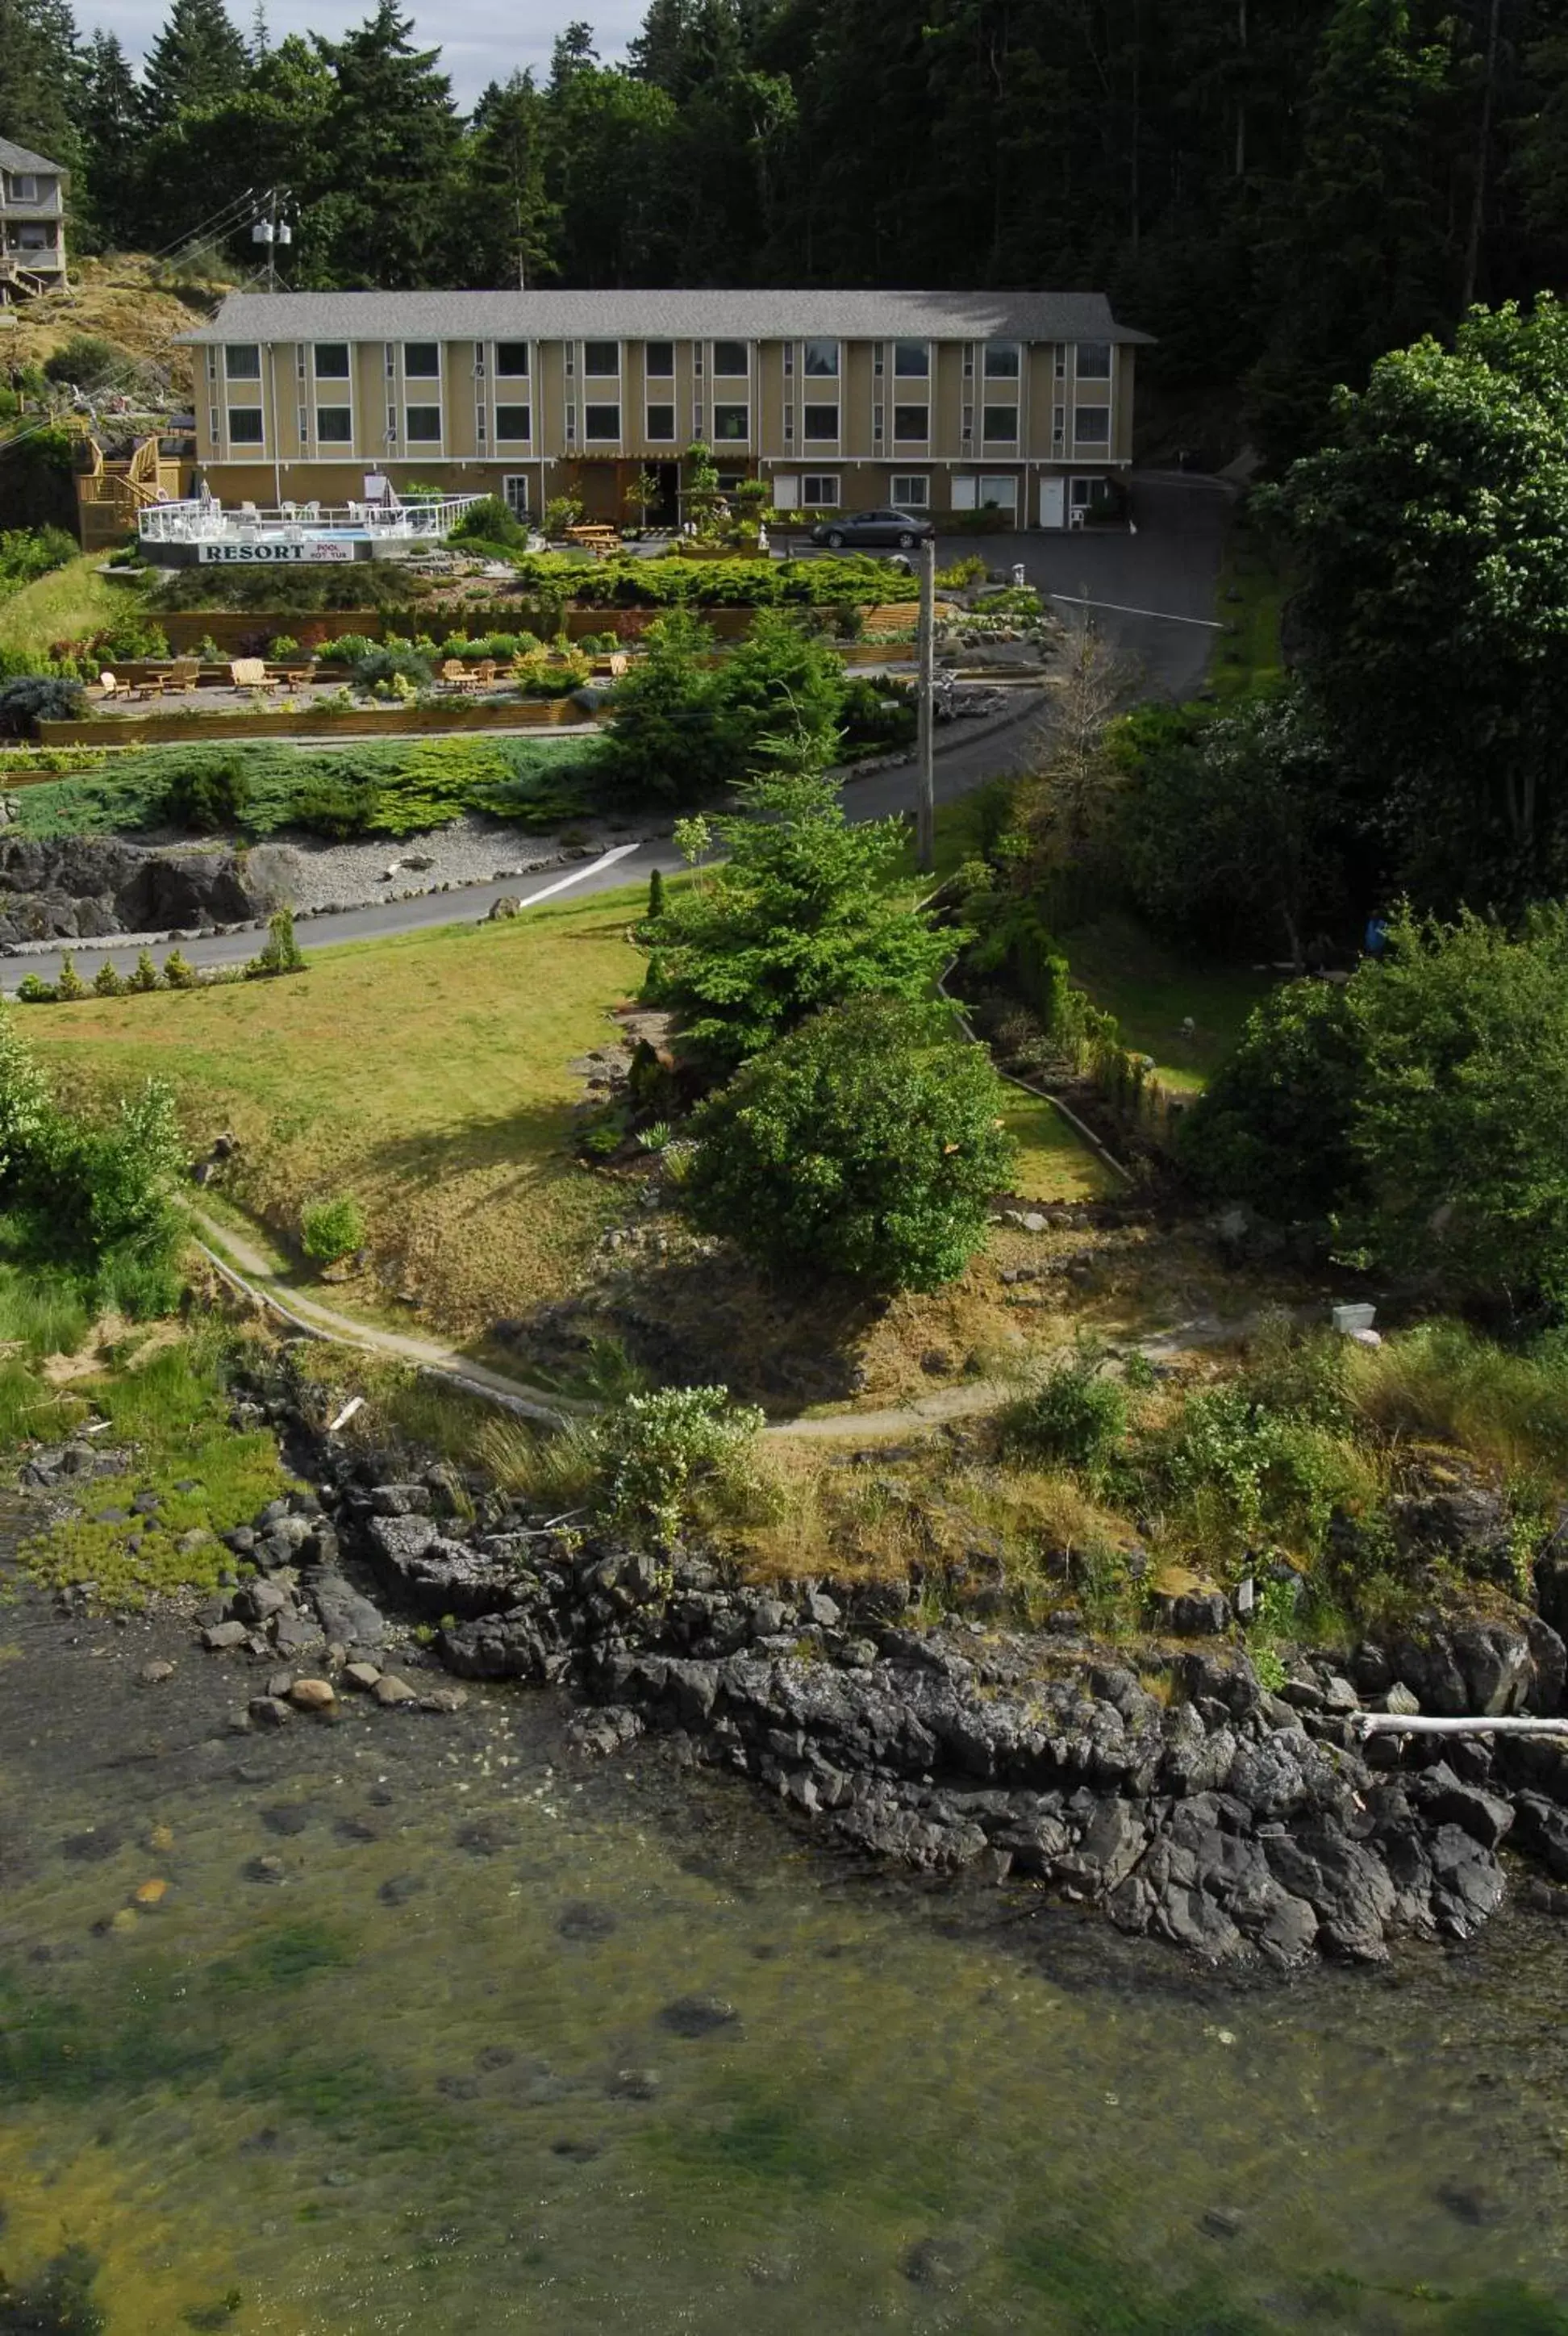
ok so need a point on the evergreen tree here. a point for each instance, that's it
(198, 59)
(110, 121)
(392, 137)
(515, 221)
(38, 78)
(1360, 251)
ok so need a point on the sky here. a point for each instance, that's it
(480, 40)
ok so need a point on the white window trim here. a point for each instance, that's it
(618, 377)
(341, 387)
(423, 450)
(257, 377)
(25, 187)
(1099, 444)
(822, 479)
(837, 437)
(251, 445)
(670, 376)
(824, 340)
(745, 439)
(648, 406)
(925, 437)
(1015, 376)
(896, 376)
(518, 501)
(527, 404)
(616, 438)
(920, 500)
(714, 376)
(438, 376)
(493, 360)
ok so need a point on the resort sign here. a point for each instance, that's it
(273, 551)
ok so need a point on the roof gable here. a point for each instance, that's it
(17, 158)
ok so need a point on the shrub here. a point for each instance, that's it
(778, 694)
(1273, 1126)
(959, 573)
(561, 513)
(282, 644)
(491, 520)
(130, 637)
(1078, 1418)
(107, 982)
(28, 553)
(34, 991)
(868, 1144)
(208, 794)
(69, 984)
(347, 649)
(385, 665)
(145, 974)
(38, 697)
(677, 1457)
(178, 973)
(329, 1230)
(281, 952)
(90, 362)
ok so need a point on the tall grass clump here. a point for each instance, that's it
(1441, 1383)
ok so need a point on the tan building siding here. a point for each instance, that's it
(309, 419)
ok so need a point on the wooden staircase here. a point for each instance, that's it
(111, 490)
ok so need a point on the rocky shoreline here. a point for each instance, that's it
(1189, 1803)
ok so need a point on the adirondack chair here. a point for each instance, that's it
(250, 673)
(455, 675)
(484, 673)
(184, 674)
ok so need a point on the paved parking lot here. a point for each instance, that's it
(1152, 593)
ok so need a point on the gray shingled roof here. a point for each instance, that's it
(17, 158)
(664, 315)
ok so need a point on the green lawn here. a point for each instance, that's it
(1250, 659)
(1153, 993)
(428, 1075)
(70, 601)
(1054, 1163)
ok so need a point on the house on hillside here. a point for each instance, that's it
(31, 222)
(941, 403)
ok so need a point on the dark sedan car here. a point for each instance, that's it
(903, 527)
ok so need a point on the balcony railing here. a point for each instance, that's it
(206, 520)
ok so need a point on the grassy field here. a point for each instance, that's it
(1253, 589)
(1054, 1163)
(427, 1075)
(1153, 992)
(70, 601)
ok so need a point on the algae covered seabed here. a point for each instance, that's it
(427, 2030)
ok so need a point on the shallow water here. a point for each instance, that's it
(422, 2081)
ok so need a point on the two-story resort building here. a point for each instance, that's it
(932, 402)
(31, 222)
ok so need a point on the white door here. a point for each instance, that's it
(1053, 502)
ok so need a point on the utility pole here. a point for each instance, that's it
(925, 775)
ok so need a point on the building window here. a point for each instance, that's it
(820, 422)
(478, 360)
(1092, 425)
(601, 422)
(969, 421)
(879, 359)
(332, 361)
(422, 361)
(245, 426)
(1091, 494)
(512, 360)
(999, 423)
(658, 362)
(422, 426)
(242, 361)
(212, 364)
(601, 360)
(298, 362)
(789, 424)
(1094, 360)
(822, 358)
(912, 493)
(820, 490)
(1061, 367)
(661, 424)
(911, 422)
(1001, 360)
(571, 424)
(729, 358)
(731, 422)
(389, 360)
(335, 425)
(969, 360)
(697, 419)
(303, 422)
(514, 488)
(789, 360)
(392, 425)
(1059, 425)
(514, 422)
(879, 413)
(24, 188)
(212, 423)
(912, 360)
(481, 425)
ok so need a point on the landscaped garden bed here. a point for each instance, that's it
(452, 713)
